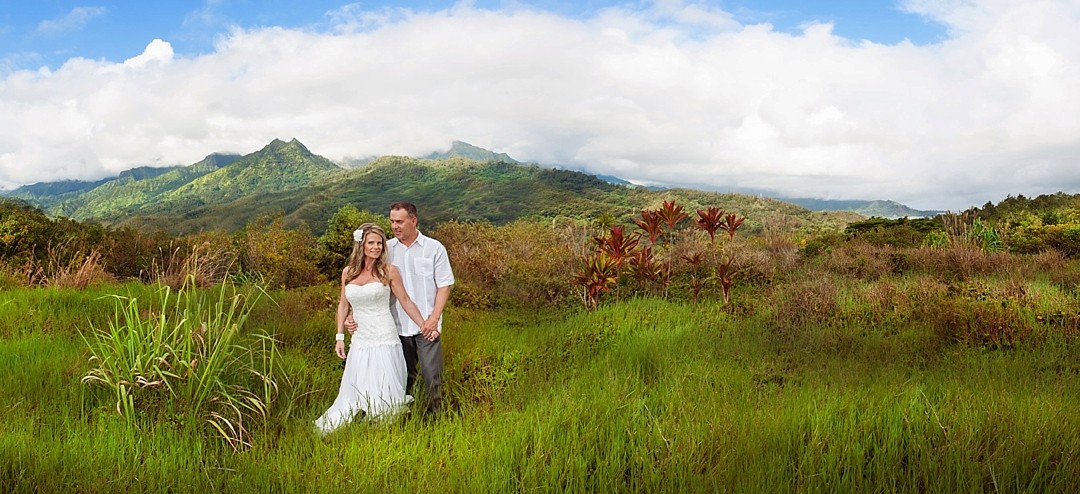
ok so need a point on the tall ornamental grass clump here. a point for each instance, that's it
(188, 358)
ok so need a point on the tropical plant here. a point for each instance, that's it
(617, 244)
(731, 223)
(646, 269)
(596, 277)
(672, 214)
(725, 274)
(194, 351)
(710, 220)
(651, 223)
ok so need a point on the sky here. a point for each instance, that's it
(938, 104)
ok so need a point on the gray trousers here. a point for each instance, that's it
(429, 355)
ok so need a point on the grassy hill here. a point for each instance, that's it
(465, 190)
(226, 192)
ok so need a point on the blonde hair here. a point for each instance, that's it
(357, 260)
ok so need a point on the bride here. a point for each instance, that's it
(374, 379)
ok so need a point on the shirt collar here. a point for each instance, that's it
(420, 240)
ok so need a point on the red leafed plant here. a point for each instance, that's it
(617, 244)
(672, 214)
(710, 220)
(725, 273)
(731, 223)
(651, 223)
(646, 268)
(696, 284)
(694, 260)
(597, 276)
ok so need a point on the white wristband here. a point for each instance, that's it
(340, 337)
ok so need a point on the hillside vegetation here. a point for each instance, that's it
(226, 192)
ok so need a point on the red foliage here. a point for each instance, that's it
(672, 214)
(731, 223)
(617, 244)
(710, 220)
(598, 275)
(652, 224)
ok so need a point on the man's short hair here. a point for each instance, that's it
(407, 206)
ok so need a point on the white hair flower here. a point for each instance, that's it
(358, 235)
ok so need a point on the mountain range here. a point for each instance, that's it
(466, 183)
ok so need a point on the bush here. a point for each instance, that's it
(190, 357)
(859, 260)
(803, 307)
(525, 262)
(281, 257)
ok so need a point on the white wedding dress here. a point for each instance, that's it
(374, 379)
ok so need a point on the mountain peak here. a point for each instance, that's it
(278, 146)
(465, 150)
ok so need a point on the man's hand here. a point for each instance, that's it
(350, 324)
(430, 328)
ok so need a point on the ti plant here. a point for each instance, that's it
(731, 223)
(696, 284)
(672, 215)
(617, 244)
(597, 276)
(725, 274)
(645, 268)
(651, 224)
(710, 220)
(649, 266)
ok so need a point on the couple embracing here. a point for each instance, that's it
(396, 291)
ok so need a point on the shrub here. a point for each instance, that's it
(859, 260)
(527, 262)
(204, 261)
(281, 257)
(959, 262)
(987, 323)
(336, 243)
(190, 355)
(803, 307)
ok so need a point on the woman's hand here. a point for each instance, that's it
(339, 349)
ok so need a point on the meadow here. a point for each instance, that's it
(642, 394)
(768, 363)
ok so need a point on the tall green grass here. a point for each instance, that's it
(642, 395)
(187, 356)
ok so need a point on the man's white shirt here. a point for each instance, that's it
(424, 268)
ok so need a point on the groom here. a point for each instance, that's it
(426, 274)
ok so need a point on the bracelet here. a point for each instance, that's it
(340, 337)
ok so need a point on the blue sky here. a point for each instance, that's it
(939, 104)
(48, 33)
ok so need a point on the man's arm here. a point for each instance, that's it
(431, 324)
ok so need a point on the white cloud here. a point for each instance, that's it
(72, 21)
(157, 51)
(676, 92)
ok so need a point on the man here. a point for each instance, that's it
(427, 276)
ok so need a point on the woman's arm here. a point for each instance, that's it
(342, 313)
(402, 296)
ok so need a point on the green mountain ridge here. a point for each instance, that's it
(280, 166)
(459, 189)
(226, 192)
(459, 149)
(868, 208)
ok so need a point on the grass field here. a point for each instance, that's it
(641, 395)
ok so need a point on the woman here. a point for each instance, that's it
(374, 379)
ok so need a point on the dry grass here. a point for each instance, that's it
(205, 263)
(859, 260)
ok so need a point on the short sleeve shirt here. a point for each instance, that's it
(424, 268)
